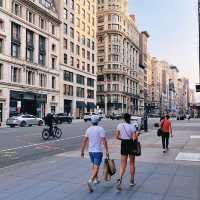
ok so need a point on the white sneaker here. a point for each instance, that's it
(96, 181)
(132, 183)
(164, 150)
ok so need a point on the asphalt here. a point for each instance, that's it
(23, 144)
(158, 176)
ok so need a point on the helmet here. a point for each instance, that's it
(94, 119)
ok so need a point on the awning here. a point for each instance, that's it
(91, 105)
(80, 104)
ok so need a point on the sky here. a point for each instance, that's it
(173, 29)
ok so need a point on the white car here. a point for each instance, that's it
(137, 121)
(24, 120)
(87, 116)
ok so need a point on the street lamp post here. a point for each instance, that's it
(199, 34)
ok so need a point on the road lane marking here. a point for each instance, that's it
(195, 157)
(195, 136)
(38, 144)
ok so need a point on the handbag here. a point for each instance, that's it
(159, 131)
(135, 145)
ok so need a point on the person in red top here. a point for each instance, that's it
(166, 128)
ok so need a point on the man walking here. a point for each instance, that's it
(95, 136)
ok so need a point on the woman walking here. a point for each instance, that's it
(166, 129)
(126, 132)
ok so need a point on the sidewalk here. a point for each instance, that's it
(62, 177)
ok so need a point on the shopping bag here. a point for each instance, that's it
(137, 148)
(111, 166)
(106, 174)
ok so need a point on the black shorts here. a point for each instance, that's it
(126, 147)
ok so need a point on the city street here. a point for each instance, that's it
(171, 176)
(22, 144)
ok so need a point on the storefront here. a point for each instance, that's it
(27, 102)
(68, 106)
(91, 107)
(80, 109)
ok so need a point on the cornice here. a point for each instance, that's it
(41, 10)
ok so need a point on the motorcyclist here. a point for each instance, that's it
(49, 119)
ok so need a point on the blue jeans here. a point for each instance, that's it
(96, 158)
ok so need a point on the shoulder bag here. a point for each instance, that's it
(135, 145)
(160, 132)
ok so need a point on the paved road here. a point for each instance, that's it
(22, 144)
(158, 176)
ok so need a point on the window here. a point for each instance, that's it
(93, 72)
(29, 46)
(78, 8)
(72, 4)
(78, 36)
(68, 76)
(90, 94)
(15, 40)
(65, 43)
(78, 63)
(90, 82)
(88, 68)
(72, 61)
(88, 55)
(88, 42)
(1, 24)
(80, 79)
(53, 63)
(53, 29)
(65, 14)
(71, 47)
(42, 50)
(78, 50)
(83, 40)
(65, 29)
(68, 90)
(71, 32)
(83, 26)
(16, 8)
(1, 71)
(83, 66)
(53, 82)
(30, 77)
(42, 23)
(1, 45)
(15, 74)
(100, 78)
(30, 17)
(65, 58)
(53, 47)
(80, 92)
(93, 58)
(1, 3)
(83, 53)
(42, 80)
(71, 18)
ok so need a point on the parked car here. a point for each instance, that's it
(24, 120)
(87, 116)
(116, 116)
(62, 117)
(138, 122)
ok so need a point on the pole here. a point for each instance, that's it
(199, 34)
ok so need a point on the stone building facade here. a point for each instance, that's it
(78, 56)
(117, 58)
(29, 58)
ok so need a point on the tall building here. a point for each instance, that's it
(29, 57)
(173, 90)
(156, 86)
(117, 58)
(78, 56)
(143, 44)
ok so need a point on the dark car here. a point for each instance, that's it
(62, 117)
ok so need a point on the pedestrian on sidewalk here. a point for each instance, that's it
(95, 136)
(166, 129)
(126, 132)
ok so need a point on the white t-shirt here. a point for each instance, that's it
(126, 130)
(95, 135)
